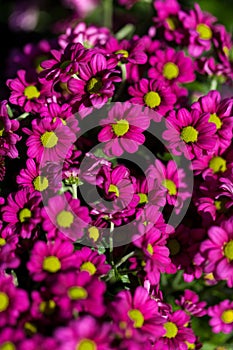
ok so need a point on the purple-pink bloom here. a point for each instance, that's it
(190, 303)
(221, 317)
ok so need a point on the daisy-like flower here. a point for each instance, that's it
(136, 315)
(217, 252)
(65, 216)
(199, 26)
(178, 334)
(8, 138)
(8, 245)
(26, 92)
(47, 259)
(190, 303)
(123, 129)
(92, 262)
(84, 333)
(22, 212)
(11, 338)
(79, 292)
(221, 114)
(95, 83)
(190, 133)
(13, 301)
(221, 317)
(172, 179)
(49, 140)
(154, 95)
(172, 67)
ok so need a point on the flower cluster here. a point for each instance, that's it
(117, 187)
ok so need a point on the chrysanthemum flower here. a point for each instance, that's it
(123, 129)
(154, 95)
(64, 216)
(8, 245)
(47, 259)
(217, 251)
(13, 301)
(84, 333)
(79, 292)
(177, 332)
(11, 338)
(92, 262)
(221, 317)
(221, 114)
(190, 303)
(190, 133)
(49, 140)
(22, 212)
(95, 83)
(8, 138)
(199, 26)
(136, 315)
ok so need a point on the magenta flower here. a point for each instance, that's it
(11, 338)
(84, 333)
(199, 26)
(49, 140)
(221, 112)
(64, 216)
(153, 94)
(190, 303)
(217, 252)
(177, 332)
(221, 317)
(22, 212)
(190, 133)
(8, 245)
(92, 262)
(123, 129)
(13, 301)
(172, 179)
(136, 316)
(79, 292)
(47, 259)
(95, 84)
(8, 138)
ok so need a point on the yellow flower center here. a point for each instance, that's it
(4, 301)
(218, 164)
(31, 92)
(216, 120)
(2, 129)
(51, 264)
(7, 346)
(137, 317)
(171, 330)
(228, 250)
(114, 189)
(25, 214)
(170, 70)
(47, 307)
(30, 328)
(89, 267)
(93, 233)
(189, 134)
(190, 346)
(2, 242)
(120, 128)
(40, 183)
(124, 53)
(94, 85)
(173, 246)
(65, 219)
(152, 99)
(77, 293)
(86, 344)
(170, 186)
(150, 249)
(227, 316)
(49, 139)
(143, 198)
(204, 31)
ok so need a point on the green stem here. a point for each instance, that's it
(124, 259)
(75, 194)
(23, 116)
(107, 13)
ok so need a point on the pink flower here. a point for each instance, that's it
(190, 133)
(191, 304)
(221, 317)
(8, 245)
(123, 129)
(92, 262)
